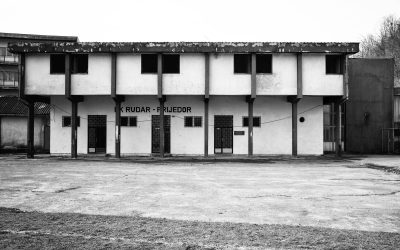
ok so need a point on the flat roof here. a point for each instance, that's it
(184, 47)
(18, 36)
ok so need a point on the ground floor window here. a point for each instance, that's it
(129, 121)
(256, 121)
(67, 121)
(193, 121)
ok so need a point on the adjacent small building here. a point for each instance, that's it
(13, 112)
(185, 98)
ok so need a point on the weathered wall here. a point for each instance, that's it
(316, 81)
(283, 80)
(370, 105)
(39, 81)
(273, 137)
(60, 140)
(190, 81)
(98, 79)
(14, 132)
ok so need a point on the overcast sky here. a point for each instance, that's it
(198, 20)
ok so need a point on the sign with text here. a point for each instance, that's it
(146, 109)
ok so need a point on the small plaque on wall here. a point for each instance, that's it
(238, 132)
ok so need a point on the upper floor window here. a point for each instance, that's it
(334, 64)
(79, 64)
(57, 64)
(149, 63)
(264, 63)
(170, 63)
(242, 63)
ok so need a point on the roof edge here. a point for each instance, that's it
(184, 47)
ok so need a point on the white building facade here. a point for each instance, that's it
(210, 98)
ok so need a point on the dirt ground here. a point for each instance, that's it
(355, 199)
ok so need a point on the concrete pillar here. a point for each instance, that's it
(294, 128)
(118, 129)
(74, 139)
(338, 134)
(162, 127)
(206, 127)
(250, 127)
(31, 130)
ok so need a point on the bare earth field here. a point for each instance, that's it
(181, 203)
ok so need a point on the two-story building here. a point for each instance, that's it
(209, 98)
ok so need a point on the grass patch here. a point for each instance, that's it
(34, 230)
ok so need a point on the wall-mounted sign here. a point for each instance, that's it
(145, 109)
(238, 132)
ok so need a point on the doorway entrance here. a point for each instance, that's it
(223, 134)
(97, 133)
(155, 134)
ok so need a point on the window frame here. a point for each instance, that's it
(52, 66)
(141, 63)
(254, 117)
(164, 56)
(341, 64)
(128, 121)
(64, 117)
(73, 64)
(272, 64)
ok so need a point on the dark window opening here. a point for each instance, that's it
(149, 63)
(79, 64)
(197, 121)
(170, 64)
(242, 63)
(256, 121)
(188, 121)
(302, 119)
(129, 121)
(57, 64)
(264, 63)
(67, 121)
(334, 64)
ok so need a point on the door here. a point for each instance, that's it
(223, 134)
(155, 134)
(97, 133)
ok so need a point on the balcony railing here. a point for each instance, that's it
(8, 84)
(7, 57)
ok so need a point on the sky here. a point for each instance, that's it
(199, 20)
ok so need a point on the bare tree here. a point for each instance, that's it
(385, 44)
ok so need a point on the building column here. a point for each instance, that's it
(117, 128)
(294, 128)
(338, 125)
(162, 136)
(31, 130)
(250, 127)
(74, 139)
(206, 127)
(206, 100)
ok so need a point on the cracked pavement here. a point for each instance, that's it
(342, 194)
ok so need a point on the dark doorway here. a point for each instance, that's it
(155, 134)
(97, 133)
(223, 134)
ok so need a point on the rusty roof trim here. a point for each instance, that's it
(184, 47)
